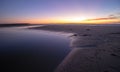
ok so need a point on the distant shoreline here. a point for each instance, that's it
(14, 25)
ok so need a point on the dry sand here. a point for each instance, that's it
(104, 57)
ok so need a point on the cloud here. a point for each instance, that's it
(110, 17)
(107, 18)
(113, 18)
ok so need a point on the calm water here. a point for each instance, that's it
(27, 50)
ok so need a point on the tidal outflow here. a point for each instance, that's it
(25, 50)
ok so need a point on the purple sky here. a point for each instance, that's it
(19, 10)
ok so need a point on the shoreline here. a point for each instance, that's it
(94, 48)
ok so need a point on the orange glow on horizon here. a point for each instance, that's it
(73, 20)
(57, 20)
(64, 20)
(107, 21)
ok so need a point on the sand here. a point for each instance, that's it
(95, 48)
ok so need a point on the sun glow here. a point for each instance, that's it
(74, 19)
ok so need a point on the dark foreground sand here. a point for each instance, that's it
(96, 48)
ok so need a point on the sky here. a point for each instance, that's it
(59, 11)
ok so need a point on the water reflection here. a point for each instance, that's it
(24, 50)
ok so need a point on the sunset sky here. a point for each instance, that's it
(59, 11)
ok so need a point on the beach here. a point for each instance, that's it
(95, 48)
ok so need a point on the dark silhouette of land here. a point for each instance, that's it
(14, 25)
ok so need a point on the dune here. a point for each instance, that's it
(95, 48)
